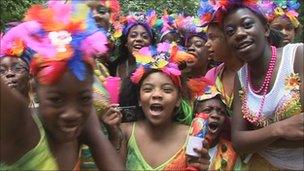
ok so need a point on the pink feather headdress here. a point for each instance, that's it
(63, 36)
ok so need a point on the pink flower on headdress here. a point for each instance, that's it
(137, 75)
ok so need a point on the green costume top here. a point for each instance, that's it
(38, 158)
(135, 160)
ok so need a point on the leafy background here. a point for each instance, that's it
(13, 10)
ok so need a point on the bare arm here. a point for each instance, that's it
(298, 68)
(15, 114)
(118, 133)
(19, 132)
(102, 150)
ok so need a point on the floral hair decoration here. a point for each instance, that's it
(165, 57)
(15, 47)
(220, 7)
(285, 8)
(63, 36)
(193, 27)
(166, 24)
(200, 86)
(147, 20)
(206, 12)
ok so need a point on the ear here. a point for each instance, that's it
(267, 30)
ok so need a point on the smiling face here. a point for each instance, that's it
(65, 106)
(138, 37)
(196, 46)
(15, 73)
(285, 26)
(245, 34)
(158, 98)
(216, 43)
(217, 114)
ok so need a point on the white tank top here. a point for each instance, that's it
(276, 100)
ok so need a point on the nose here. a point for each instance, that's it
(284, 32)
(157, 94)
(240, 33)
(208, 44)
(139, 38)
(71, 115)
(215, 115)
(10, 73)
(190, 48)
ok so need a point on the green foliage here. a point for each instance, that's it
(172, 6)
(13, 10)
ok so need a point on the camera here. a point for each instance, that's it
(129, 113)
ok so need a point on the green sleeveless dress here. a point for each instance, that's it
(135, 160)
(38, 158)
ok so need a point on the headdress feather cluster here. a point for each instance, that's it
(148, 20)
(165, 57)
(62, 36)
(277, 8)
(165, 24)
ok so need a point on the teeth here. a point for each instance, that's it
(156, 107)
(69, 129)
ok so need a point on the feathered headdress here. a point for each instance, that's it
(12, 46)
(114, 7)
(192, 26)
(63, 36)
(165, 57)
(199, 86)
(278, 8)
(165, 25)
(219, 7)
(147, 20)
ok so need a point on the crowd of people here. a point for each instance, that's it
(84, 87)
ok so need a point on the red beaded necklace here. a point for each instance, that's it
(263, 88)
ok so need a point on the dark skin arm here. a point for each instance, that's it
(104, 154)
(290, 129)
(298, 68)
(17, 125)
(118, 133)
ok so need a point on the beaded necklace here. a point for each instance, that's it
(264, 88)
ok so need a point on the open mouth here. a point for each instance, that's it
(137, 47)
(156, 109)
(213, 127)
